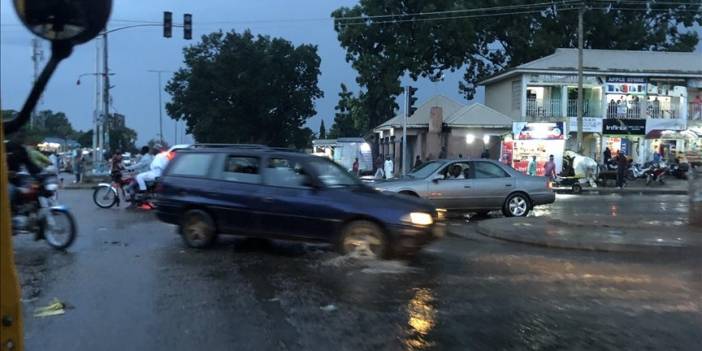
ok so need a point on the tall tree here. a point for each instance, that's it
(322, 131)
(122, 139)
(348, 120)
(85, 139)
(56, 124)
(237, 87)
(384, 38)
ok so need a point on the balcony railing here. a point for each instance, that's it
(540, 109)
(643, 109)
(590, 108)
(694, 111)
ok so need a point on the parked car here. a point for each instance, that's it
(474, 185)
(257, 191)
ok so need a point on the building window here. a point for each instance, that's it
(516, 95)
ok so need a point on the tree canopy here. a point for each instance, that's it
(237, 87)
(348, 120)
(386, 38)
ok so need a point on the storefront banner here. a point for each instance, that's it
(560, 79)
(590, 125)
(614, 126)
(665, 124)
(538, 131)
(506, 150)
(523, 150)
(620, 79)
(625, 89)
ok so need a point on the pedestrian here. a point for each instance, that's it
(485, 154)
(621, 108)
(355, 167)
(378, 164)
(696, 112)
(550, 168)
(389, 167)
(460, 155)
(531, 167)
(607, 156)
(76, 165)
(417, 162)
(622, 164)
(656, 157)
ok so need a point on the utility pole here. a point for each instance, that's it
(404, 132)
(105, 95)
(37, 57)
(96, 113)
(579, 138)
(160, 102)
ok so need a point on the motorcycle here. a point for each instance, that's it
(656, 173)
(35, 210)
(679, 170)
(636, 171)
(107, 195)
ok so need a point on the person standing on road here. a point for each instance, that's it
(622, 164)
(389, 168)
(550, 168)
(531, 167)
(607, 156)
(355, 167)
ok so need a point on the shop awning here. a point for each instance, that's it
(672, 134)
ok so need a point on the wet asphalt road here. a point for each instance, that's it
(131, 285)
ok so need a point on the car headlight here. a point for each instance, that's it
(441, 214)
(418, 218)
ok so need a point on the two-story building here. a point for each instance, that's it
(637, 102)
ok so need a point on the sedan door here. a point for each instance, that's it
(447, 190)
(489, 185)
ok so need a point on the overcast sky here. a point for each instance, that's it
(133, 52)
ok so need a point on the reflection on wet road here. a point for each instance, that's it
(133, 286)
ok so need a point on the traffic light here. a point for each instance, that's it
(187, 26)
(411, 100)
(167, 24)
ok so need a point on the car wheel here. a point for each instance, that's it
(198, 229)
(516, 205)
(363, 239)
(577, 189)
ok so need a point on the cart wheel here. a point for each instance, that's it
(577, 189)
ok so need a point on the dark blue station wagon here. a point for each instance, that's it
(272, 193)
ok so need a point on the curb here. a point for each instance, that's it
(485, 228)
(634, 191)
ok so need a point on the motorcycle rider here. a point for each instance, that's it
(156, 167)
(17, 157)
(142, 166)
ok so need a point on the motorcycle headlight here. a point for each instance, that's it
(51, 187)
(418, 218)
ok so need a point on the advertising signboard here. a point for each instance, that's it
(538, 131)
(614, 126)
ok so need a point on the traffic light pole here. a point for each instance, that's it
(404, 132)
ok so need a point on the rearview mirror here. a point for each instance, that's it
(66, 23)
(76, 21)
(437, 178)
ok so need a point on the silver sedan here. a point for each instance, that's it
(473, 185)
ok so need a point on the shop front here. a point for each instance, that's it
(592, 136)
(534, 139)
(550, 96)
(639, 98)
(626, 136)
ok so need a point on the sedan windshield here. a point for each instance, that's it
(425, 169)
(332, 175)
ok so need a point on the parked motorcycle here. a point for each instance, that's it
(656, 173)
(679, 170)
(107, 195)
(35, 210)
(636, 171)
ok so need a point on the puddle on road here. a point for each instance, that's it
(370, 266)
